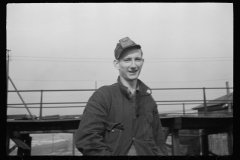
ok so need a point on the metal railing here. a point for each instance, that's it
(174, 102)
(41, 99)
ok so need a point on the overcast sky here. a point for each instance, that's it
(71, 46)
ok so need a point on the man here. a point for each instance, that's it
(122, 119)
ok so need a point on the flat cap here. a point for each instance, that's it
(124, 44)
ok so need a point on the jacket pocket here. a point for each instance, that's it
(155, 149)
(147, 126)
(113, 136)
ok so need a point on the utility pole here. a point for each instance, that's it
(228, 94)
(7, 74)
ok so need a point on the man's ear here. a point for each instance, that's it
(116, 64)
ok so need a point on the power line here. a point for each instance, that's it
(111, 58)
(105, 60)
(56, 60)
(108, 61)
(63, 57)
(113, 82)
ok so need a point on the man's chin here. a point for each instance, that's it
(132, 78)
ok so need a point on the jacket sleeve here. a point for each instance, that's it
(158, 134)
(89, 136)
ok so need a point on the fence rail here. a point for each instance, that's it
(167, 102)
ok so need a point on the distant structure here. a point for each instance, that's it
(209, 133)
(217, 107)
(221, 143)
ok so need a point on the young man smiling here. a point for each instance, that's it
(122, 119)
(129, 64)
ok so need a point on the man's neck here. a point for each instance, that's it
(130, 84)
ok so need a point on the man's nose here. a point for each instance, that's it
(133, 64)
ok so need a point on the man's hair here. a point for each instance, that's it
(128, 49)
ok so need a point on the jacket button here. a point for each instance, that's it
(133, 138)
(112, 130)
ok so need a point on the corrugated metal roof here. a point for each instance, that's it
(219, 101)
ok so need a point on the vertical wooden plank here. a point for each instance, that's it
(73, 146)
(167, 131)
(20, 151)
(230, 142)
(204, 142)
(175, 143)
(7, 144)
(28, 141)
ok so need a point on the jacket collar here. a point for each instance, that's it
(143, 90)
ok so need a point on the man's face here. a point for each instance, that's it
(130, 64)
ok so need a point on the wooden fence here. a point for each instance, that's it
(218, 143)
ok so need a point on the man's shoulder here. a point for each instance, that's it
(106, 91)
(142, 84)
(108, 87)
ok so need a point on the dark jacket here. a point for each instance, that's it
(110, 124)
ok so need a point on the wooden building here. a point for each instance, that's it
(217, 107)
(222, 106)
(189, 142)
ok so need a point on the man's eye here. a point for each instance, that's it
(126, 60)
(138, 59)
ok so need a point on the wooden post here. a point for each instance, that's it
(7, 144)
(20, 151)
(204, 143)
(167, 131)
(73, 146)
(175, 143)
(28, 140)
(184, 109)
(230, 142)
(40, 114)
(205, 104)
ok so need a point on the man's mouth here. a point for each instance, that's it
(133, 71)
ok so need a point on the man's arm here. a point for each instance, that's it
(158, 134)
(89, 136)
